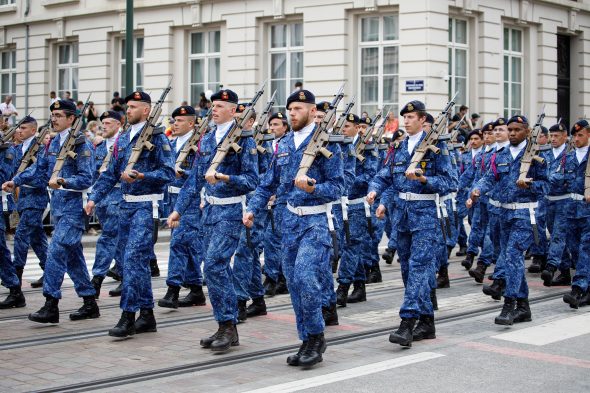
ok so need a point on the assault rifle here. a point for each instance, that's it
(9, 134)
(107, 159)
(363, 141)
(337, 129)
(192, 145)
(230, 142)
(259, 136)
(145, 136)
(31, 156)
(67, 149)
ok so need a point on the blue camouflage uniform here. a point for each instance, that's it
(371, 248)
(7, 268)
(516, 234)
(65, 252)
(417, 224)
(136, 218)
(306, 238)
(31, 204)
(464, 161)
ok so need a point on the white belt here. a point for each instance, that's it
(577, 197)
(173, 190)
(5, 201)
(344, 202)
(531, 206)
(83, 192)
(554, 198)
(410, 196)
(362, 200)
(494, 203)
(153, 198)
(326, 209)
(227, 201)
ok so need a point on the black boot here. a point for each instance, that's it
(113, 274)
(547, 275)
(425, 329)
(523, 311)
(442, 280)
(19, 274)
(293, 360)
(15, 299)
(170, 299)
(117, 291)
(282, 286)
(154, 268)
(258, 307)
(388, 255)
(433, 299)
(358, 293)
(538, 264)
(97, 283)
(38, 283)
(462, 251)
(270, 287)
(227, 336)
(496, 290)
(334, 262)
(573, 298)
(479, 272)
(342, 294)
(585, 300)
(89, 310)
(195, 297)
(375, 275)
(126, 325)
(316, 345)
(404, 335)
(242, 313)
(49, 313)
(330, 315)
(468, 261)
(507, 314)
(146, 323)
(563, 280)
(449, 251)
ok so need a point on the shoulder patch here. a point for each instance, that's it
(445, 152)
(86, 153)
(282, 155)
(9, 156)
(253, 151)
(166, 147)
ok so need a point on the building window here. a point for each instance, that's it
(6, 2)
(286, 60)
(512, 71)
(204, 58)
(379, 63)
(458, 61)
(137, 60)
(8, 75)
(67, 70)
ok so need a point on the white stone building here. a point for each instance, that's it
(502, 56)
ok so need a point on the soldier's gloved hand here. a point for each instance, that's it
(248, 219)
(89, 208)
(371, 197)
(469, 203)
(8, 186)
(380, 212)
(524, 184)
(173, 220)
(305, 183)
(128, 177)
(475, 194)
(416, 174)
(55, 184)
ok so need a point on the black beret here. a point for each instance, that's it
(366, 120)
(304, 96)
(225, 95)
(353, 118)
(518, 119)
(544, 130)
(27, 120)
(112, 115)
(477, 132)
(579, 125)
(324, 106)
(241, 107)
(488, 127)
(139, 96)
(429, 118)
(475, 116)
(278, 115)
(557, 128)
(500, 122)
(184, 110)
(64, 105)
(412, 106)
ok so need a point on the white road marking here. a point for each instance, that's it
(343, 375)
(550, 332)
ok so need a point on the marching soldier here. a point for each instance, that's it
(142, 188)
(417, 223)
(107, 209)
(518, 200)
(306, 238)
(186, 250)
(65, 250)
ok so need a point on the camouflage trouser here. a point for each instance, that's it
(29, 231)
(272, 242)
(7, 268)
(579, 244)
(516, 237)
(186, 253)
(247, 270)
(352, 267)
(106, 245)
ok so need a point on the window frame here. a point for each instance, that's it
(453, 46)
(205, 56)
(69, 67)
(510, 54)
(11, 72)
